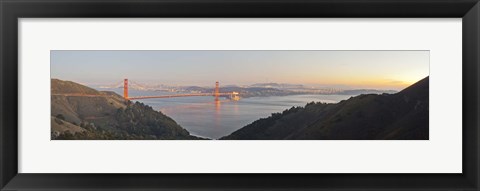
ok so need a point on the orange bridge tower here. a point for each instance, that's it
(125, 88)
(217, 91)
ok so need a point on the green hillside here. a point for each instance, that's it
(403, 115)
(80, 112)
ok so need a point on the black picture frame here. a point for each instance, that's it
(11, 10)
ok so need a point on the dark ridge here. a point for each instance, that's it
(399, 116)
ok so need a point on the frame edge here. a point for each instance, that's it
(471, 71)
(8, 59)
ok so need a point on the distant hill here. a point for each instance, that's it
(404, 115)
(275, 89)
(244, 92)
(80, 112)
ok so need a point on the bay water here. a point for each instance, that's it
(205, 117)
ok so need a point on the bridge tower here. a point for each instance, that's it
(125, 88)
(217, 91)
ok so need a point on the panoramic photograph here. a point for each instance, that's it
(239, 95)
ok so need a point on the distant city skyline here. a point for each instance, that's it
(349, 69)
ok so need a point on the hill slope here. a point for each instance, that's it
(80, 112)
(403, 115)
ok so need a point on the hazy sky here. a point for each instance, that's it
(358, 69)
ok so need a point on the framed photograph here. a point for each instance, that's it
(250, 95)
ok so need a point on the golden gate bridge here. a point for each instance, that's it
(216, 93)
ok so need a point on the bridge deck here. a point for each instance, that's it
(179, 95)
(145, 97)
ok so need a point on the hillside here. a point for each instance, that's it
(403, 115)
(80, 112)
